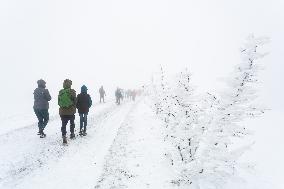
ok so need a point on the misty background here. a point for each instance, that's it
(122, 43)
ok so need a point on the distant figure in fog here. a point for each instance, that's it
(67, 110)
(102, 94)
(41, 106)
(118, 96)
(84, 102)
(133, 94)
(129, 94)
(122, 94)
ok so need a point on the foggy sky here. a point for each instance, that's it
(122, 43)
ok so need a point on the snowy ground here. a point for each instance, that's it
(123, 149)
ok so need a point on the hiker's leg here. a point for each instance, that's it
(64, 120)
(72, 123)
(40, 119)
(81, 121)
(85, 122)
(45, 118)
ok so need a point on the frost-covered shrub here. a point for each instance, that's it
(200, 130)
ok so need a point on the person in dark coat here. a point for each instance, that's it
(67, 112)
(118, 96)
(41, 106)
(102, 94)
(84, 102)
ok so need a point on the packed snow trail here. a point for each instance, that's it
(24, 156)
(124, 148)
(136, 159)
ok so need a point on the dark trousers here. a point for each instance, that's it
(65, 119)
(83, 122)
(43, 117)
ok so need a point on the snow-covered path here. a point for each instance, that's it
(124, 148)
(27, 161)
(136, 158)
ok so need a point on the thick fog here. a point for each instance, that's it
(122, 43)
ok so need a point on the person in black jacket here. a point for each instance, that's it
(84, 102)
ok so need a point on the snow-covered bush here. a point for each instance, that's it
(218, 160)
(201, 131)
(180, 113)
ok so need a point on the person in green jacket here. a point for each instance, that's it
(67, 110)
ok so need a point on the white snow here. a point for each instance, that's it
(124, 148)
(136, 159)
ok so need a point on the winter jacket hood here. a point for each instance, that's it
(41, 83)
(84, 89)
(67, 84)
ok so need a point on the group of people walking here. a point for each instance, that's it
(121, 94)
(68, 103)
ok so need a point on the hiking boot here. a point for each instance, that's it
(64, 139)
(81, 133)
(42, 135)
(84, 133)
(38, 133)
(72, 136)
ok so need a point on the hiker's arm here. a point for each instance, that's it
(73, 97)
(90, 101)
(47, 95)
(58, 98)
(77, 103)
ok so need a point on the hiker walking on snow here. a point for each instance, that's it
(118, 96)
(41, 106)
(102, 94)
(84, 102)
(67, 110)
